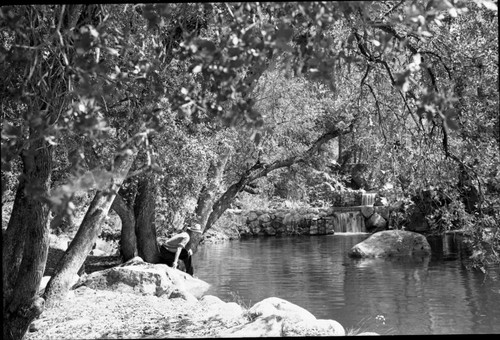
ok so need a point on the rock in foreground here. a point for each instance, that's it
(137, 276)
(277, 317)
(392, 243)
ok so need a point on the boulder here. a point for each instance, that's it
(367, 210)
(261, 327)
(182, 294)
(392, 243)
(376, 223)
(211, 300)
(277, 317)
(270, 230)
(227, 313)
(245, 231)
(280, 307)
(139, 277)
(252, 216)
(312, 328)
(264, 218)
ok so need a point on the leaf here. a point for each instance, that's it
(197, 69)
(112, 51)
(489, 5)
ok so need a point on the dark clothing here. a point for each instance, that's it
(168, 258)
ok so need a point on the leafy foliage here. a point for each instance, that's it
(185, 82)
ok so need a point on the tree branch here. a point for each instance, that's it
(378, 110)
(394, 8)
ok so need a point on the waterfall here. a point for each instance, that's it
(368, 198)
(349, 222)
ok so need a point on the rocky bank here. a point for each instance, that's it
(142, 300)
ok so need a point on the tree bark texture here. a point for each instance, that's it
(145, 228)
(87, 234)
(128, 239)
(26, 243)
(207, 194)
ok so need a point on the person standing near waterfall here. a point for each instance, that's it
(174, 249)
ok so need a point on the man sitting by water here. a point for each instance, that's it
(175, 248)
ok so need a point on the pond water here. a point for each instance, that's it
(432, 295)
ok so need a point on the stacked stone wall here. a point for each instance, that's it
(309, 221)
(346, 198)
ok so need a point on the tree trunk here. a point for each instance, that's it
(207, 194)
(87, 234)
(128, 240)
(224, 202)
(145, 227)
(24, 261)
(12, 250)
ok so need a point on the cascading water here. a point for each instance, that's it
(368, 198)
(349, 222)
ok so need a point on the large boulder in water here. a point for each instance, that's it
(392, 243)
(139, 277)
(277, 317)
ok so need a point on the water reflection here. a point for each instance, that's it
(425, 295)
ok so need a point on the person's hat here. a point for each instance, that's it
(195, 227)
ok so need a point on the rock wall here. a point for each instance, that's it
(310, 221)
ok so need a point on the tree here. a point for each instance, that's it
(154, 79)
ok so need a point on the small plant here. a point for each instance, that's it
(352, 331)
(246, 306)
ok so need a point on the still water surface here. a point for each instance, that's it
(433, 295)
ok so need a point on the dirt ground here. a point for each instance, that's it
(99, 314)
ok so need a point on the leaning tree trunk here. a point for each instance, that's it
(86, 235)
(26, 243)
(128, 240)
(145, 227)
(207, 195)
